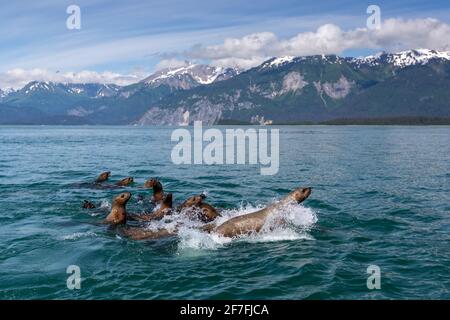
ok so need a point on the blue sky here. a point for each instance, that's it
(136, 37)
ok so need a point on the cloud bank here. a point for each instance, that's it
(251, 50)
(17, 78)
(394, 35)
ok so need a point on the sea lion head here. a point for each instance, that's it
(103, 176)
(193, 201)
(300, 194)
(122, 198)
(150, 183)
(118, 214)
(126, 181)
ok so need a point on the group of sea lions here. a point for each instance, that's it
(194, 208)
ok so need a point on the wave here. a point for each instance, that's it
(78, 235)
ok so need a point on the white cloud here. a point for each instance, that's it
(394, 35)
(170, 63)
(17, 78)
(243, 63)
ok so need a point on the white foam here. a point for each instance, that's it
(105, 204)
(78, 235)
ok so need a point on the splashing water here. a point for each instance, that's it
(105, 204)
(79, 235)
(297, 221)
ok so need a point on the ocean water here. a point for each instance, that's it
(381, 196)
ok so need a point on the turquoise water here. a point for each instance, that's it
(380, 196)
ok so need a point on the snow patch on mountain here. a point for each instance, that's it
(403, 58)
(37, 85)
(190, 75)
(277, 62)
(418, 56)
(5, 92)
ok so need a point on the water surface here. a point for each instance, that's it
(380, 196)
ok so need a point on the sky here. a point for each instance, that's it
(124, 41)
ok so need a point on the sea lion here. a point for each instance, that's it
(253, 222)
(155, 184)
(195, 207)
(103, 177)
(88, 205)
(208, 212)
(145, 234)
(164, 209)
(125, 182)
(118, 214)
(137, 233)
(191, 202)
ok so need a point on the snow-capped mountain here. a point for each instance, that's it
(399, 59)
(412, 83)
(288, 89)
(277, 62)
(92, 90)
(35, 86)
(404, 58)
(190, 76)
(5, 92)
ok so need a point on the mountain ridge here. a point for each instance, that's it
(311, 88)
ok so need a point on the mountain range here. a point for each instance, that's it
(412, 84)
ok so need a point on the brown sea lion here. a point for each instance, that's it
(118, 214)
(165, 208)
(208, 212)
(137, 233)
(195, 207)
(103, 177)
(253, 222)
(191, 202)
(145, 234)
(155, 184)
(125, 182)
